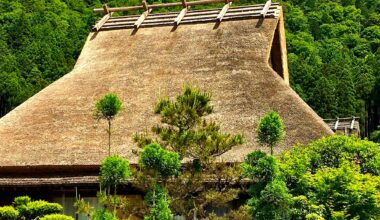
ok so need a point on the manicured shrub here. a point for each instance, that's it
(8, 213)
(56, 217)
(21, 200)
(39, 208)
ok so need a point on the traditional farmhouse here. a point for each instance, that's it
(51, 145)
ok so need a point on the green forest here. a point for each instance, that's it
(333, 46)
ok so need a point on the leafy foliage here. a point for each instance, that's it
(39, 208)
(39, 42)
(107, 108)
(273, 203)
(21, 200)
(102, 214)
(156, 200)
(113, 171)
(334, 56)
(335, 177)
(260, 167)
(270, 130)
(159, 161)
(270, 196)
(8, 213)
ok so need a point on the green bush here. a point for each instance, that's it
(8, 213)
(114, 170)
(102, 214)
(160, 161)
(21, 200)
(56, 217)
(39, 208)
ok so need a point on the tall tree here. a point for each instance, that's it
(107, 108)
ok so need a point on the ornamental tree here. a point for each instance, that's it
(198, 141)
(113, 171)
(270, 130)
(107, 108)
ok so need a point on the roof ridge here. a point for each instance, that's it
(185, 16)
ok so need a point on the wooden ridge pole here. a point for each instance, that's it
(266, 8)
(223, 11)
(104, 19)
(182, 14)
(142, 18)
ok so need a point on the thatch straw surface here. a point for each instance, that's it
(56, 126)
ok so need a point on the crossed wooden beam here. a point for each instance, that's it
(185, 4)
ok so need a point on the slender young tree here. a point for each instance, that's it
(270, 130)
(107, 108)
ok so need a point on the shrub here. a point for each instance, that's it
(39, 208)
(160, 161)
(102, 214)
(21, 200)
(8, 213)
(56, 217)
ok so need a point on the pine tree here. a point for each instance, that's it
(199, 142)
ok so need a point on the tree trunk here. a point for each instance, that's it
(109, 137)
(271, 150)
(114, 203)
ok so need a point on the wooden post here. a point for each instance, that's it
(106, 9)
(223, 11)
(145, 6)
(352, 123)
(184, 3)
(336, 124)
(266, 8)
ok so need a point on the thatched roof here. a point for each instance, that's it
(56, 127)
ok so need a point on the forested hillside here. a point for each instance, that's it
(334, 56)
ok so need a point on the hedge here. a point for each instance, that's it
(39, 208)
